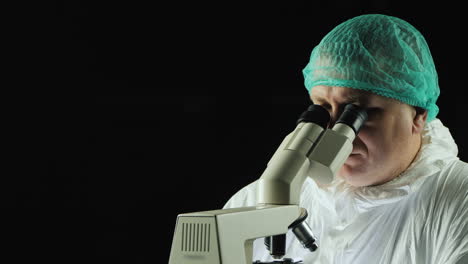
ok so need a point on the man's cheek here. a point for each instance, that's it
(359, 144)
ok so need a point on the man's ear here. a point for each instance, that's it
(419, 120)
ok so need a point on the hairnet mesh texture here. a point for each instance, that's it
(381, 54)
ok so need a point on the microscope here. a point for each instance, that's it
(312, 150)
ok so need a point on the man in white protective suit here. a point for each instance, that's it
(402, 195)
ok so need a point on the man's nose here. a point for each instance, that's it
(336, 110)
(334, 115)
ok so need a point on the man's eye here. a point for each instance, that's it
(327, 106)
(372, 111)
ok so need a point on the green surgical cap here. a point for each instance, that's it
(381, 54)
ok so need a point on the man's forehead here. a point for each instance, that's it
(326, 93)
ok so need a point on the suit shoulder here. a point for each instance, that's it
(247, 196)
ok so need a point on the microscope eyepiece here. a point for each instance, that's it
(315, 114)
(353, 116)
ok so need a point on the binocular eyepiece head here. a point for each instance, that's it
(353, 115)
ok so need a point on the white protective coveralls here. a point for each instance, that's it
(419, 217)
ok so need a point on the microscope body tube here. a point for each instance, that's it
(330, 153)
(282, 180)
(308, 151)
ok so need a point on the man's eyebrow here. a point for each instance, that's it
(360, 97)
(356, 97)
(318, 100)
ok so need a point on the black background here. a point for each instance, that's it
(147, 110)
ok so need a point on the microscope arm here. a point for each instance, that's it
(282, 180)
(226, 236)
